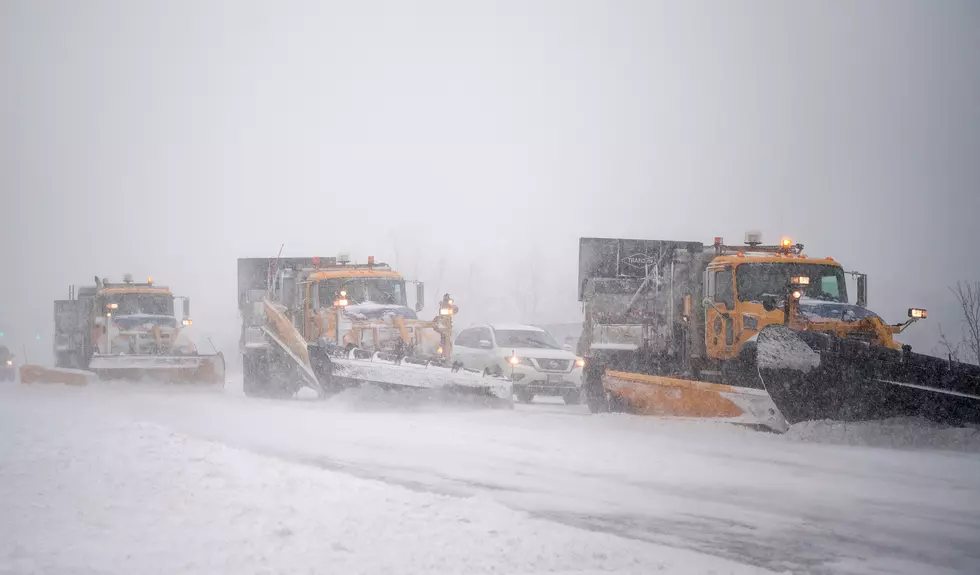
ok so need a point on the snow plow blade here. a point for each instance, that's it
(32, 374)
(418, 377)
(673, 397)
(190, 369)
(812, 376)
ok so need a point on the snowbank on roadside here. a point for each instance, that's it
(902, 433)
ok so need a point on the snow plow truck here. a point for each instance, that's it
(129, 330)
(328, 324)
(753, 334)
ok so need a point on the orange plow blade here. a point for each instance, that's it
(673, 397)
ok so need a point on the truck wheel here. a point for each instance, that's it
(571, 397)
(597, 404)
(255, 375)
(595, 393)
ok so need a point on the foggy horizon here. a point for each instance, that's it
(472, 146)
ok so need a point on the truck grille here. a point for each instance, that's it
(553, 364)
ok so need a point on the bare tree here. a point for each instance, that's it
(968, 296)
(950, 350)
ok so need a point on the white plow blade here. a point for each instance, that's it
(149, 361)
(419, 375)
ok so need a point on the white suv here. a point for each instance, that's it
(528, 355)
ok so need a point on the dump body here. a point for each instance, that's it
(633, 293)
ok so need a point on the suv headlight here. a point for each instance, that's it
(580, 362)
(514, 360)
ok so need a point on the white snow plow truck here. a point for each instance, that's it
(129, 330)
(329, 324)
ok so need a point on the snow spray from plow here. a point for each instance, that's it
(814, 376)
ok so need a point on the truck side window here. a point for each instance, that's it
(725, 288)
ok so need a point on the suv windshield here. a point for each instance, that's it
(525, 338)
(387, 291)
(754, 280)
(141, 304)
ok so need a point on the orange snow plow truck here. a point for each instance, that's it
(126, 330)
(753, 334)
(329, 324)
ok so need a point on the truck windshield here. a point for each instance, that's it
(525, 338)
(141, 304)
(754, 280)
(387, 291)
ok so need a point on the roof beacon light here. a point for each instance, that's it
(916, 313)
(787, 242)
(753, 237)
(370, 261)
(149, 280)
(719, 240)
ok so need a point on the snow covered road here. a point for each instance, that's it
(117, 480)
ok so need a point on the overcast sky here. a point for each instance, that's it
(474, 143)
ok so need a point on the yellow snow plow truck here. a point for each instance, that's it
(329, 324)
(129, 330)
(753, 334)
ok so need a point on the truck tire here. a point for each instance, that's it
(571, 397)
(595, 393)
(257, 380)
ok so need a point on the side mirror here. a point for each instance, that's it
(567, 347)
(485, 344)
(768, 303)
(419, 296)
(862, 296)
(708, 302)
(187, 308)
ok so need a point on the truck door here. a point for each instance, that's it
(719, 319)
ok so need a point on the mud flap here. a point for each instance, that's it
(813, 376)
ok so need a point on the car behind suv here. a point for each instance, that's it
(528, 355)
